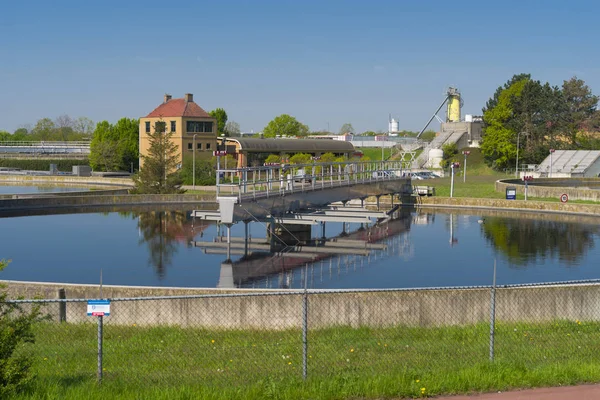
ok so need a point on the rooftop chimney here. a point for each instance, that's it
(167, 97)
(189, 97)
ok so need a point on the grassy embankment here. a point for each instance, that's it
(343, 363)
(480, 182)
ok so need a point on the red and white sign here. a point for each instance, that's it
(466, 153)
(527, 178)
(552, 150)
(564, 198)
(218, 153)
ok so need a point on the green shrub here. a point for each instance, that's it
(15, 330)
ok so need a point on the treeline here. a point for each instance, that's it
(115, 147)
(63, 128)
(537, 117)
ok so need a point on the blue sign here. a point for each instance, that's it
(98, 308)
(511, 193)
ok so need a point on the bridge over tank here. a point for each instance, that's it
(27, 148)
(278, 189)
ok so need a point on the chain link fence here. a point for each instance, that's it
(238, 339)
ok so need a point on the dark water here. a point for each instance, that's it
(423, 250)
(27, 189)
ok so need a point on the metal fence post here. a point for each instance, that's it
(305, 326)
(62, 308)
(100, 348)
(493, 314)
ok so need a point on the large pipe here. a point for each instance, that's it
(432, 117)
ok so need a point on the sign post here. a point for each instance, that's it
(527, 179)
(550, 173)
(99, 308)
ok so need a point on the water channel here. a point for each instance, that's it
(153, 247)
(29, 189)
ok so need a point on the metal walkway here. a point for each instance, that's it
(279, 189)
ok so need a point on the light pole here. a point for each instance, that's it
(194, 161)
(453, 166)
(466, 153)
(517, 164)
(550, 173)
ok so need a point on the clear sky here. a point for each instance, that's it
(324, 62)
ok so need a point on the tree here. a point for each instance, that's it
(126, 132)
(273, 158)
(15, 331)
(104, 154)
(498, 144)
(450, 151)
(64, 127)
(300, 158)
(346, 128)
(159, 173)
(581, 107)
(115, 147)
(21, 135)
(369, 133)
(84, 126)
(43, 129)
(221, 116)
(285, 125)
(5, 136)
(493, 101)
(232, 128)
(205, 172)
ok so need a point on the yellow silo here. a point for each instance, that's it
(453, 113)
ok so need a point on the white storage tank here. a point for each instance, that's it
(394, 126)
(435, 157)
(469, 118)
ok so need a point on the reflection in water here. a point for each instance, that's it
(523, 240)
(161, 230)
(264, 265)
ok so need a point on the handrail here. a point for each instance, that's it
(282, 179)
(16, 143)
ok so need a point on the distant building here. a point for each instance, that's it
(568, 164)
(185, 119)
(250, 152)
(344, 137)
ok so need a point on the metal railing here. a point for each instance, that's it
(43, 147)
(284, 179)
(238, 339)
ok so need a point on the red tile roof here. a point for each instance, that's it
(178, 108)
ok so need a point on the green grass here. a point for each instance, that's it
(374, 153)
(482, 186)
(366, 363)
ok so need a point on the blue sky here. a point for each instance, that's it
(325, 62)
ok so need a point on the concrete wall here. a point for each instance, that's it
(541, 189)
(94, 201)
(520, 205)
(424, 308)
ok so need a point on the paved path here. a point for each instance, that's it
(582, 392)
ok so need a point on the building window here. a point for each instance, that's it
(199, 127)
(160, 126)
(173, 126)
(207, 146)
(190, 146)
(147, 126)
(198, 146)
